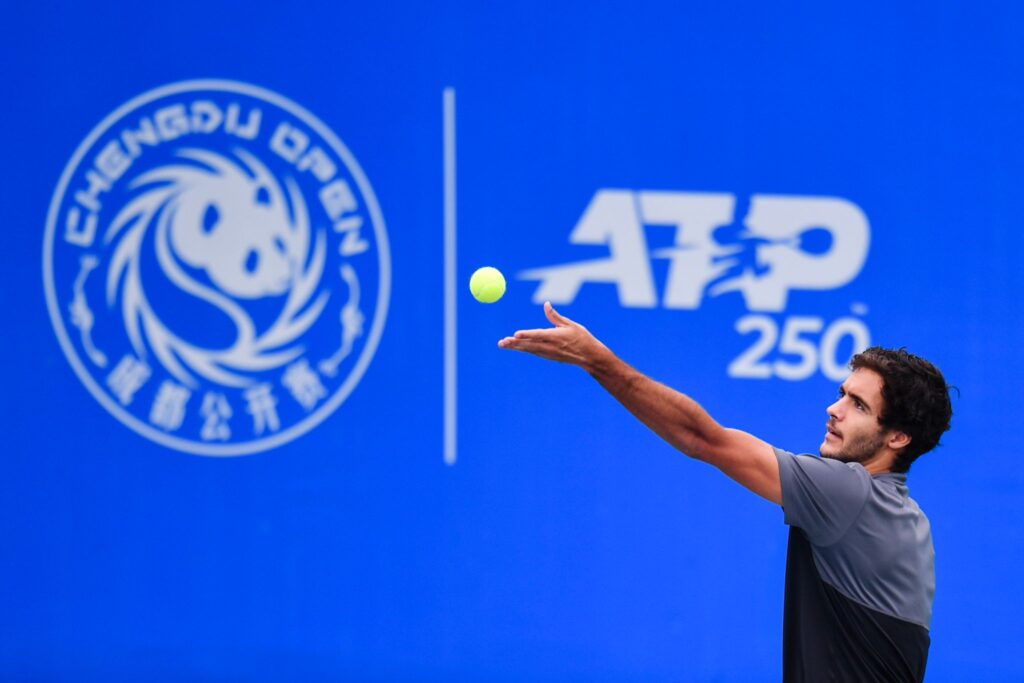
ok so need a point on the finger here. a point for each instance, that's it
(532, 348)
(542, 333)
(511, 343)
(519, 341)
(556, 318)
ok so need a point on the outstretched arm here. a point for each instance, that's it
(675, 417)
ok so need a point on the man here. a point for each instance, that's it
(860, 575)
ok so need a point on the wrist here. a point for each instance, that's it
(601, 363)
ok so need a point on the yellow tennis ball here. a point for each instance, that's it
(487, 285)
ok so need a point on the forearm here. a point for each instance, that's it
(672, 415)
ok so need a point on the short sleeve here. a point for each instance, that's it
(821, 496)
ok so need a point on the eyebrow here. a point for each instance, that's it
(857, 398)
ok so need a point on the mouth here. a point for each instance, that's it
(832, 433)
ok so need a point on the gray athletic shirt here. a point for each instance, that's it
(860, 575)
(869, 539)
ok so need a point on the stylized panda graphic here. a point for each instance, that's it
(224, 232)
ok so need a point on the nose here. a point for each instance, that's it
(835, 410)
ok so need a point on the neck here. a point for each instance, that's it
(881, 462)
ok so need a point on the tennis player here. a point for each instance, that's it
(860, 573)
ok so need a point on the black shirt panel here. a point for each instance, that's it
(829, 637)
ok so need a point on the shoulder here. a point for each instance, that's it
(821, 495)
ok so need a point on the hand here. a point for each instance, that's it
(566, 342)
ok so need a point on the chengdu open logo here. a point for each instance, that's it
(216, 267)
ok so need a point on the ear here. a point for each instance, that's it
(897, 440)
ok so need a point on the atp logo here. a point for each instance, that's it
(216, 267)
(777, 245)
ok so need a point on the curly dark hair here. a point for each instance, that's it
(916, 399)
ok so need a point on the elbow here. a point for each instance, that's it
(707, 445)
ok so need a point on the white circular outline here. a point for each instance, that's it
(383, 294)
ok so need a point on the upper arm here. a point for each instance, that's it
(747, 460)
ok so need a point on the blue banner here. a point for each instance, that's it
(256, 427)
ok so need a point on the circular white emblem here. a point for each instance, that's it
(216, 267)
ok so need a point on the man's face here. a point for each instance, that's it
(853, 433)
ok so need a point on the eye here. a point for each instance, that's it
(210, 219)
(252, 261)
(263, 196)
(281, 247)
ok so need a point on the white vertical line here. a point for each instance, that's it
(450, 403)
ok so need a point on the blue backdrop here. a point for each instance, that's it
(256, 484)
